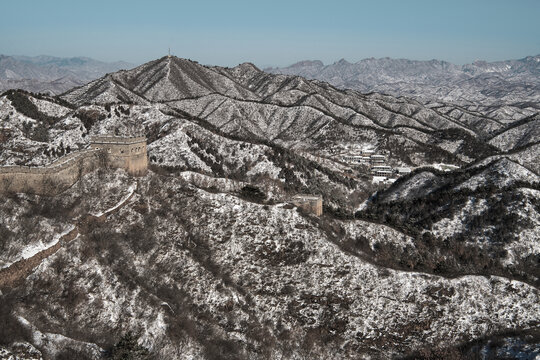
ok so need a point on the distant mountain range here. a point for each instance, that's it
(503, 90)
(479, 86)
(437, 265)
(53, 75)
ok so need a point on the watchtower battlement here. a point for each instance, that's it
(124, 152)
(112, 139)
(310, 203)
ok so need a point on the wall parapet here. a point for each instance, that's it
(111, 139)
(59, 164)
(127, 153)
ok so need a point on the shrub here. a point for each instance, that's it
(21, 102)
(141, 238)
(89, 117)
(5, 236)
(11, 329)
(40, 133)
(128, 348)
(252, 193)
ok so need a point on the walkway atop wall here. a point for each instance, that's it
(129, 154)
(111, 139)
(68, 160)
(56, 165)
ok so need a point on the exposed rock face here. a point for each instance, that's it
(185, 259)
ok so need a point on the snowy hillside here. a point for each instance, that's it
(482, 218)
(205, 256)
(255, 281)
(294, 112)
(500, 91)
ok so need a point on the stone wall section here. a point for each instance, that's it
(310, 203)
(51, 179)
(104, 151)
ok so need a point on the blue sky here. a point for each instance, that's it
(272, 32)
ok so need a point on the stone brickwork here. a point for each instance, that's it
(127, 153)
(51, 179)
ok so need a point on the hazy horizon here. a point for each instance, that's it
(273, 34)
(352, 61)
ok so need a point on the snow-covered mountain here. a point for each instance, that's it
(480, 217)
(52, 75)
(292, 111)
(499, 89)
(439, 264)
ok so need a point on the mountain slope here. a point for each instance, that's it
(501, 90)
(192, 263)
(254, 282)
(483, 217)
(287, 110)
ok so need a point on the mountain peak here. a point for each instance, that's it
(165, 79)
(314, 63)
(248, 66)
(342, 61)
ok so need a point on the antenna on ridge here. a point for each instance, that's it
(169, 52)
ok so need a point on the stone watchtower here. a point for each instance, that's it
(310, 203)
(123, 152)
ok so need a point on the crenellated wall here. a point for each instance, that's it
(51, 179)
(127, 153)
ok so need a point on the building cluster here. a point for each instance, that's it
(378, 168)
(366, 157)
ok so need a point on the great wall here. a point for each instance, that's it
(128, 153)
(18, 271)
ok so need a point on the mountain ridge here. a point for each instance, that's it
(226, 96)
(53, 75)
(481, 85)
(195, 265)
